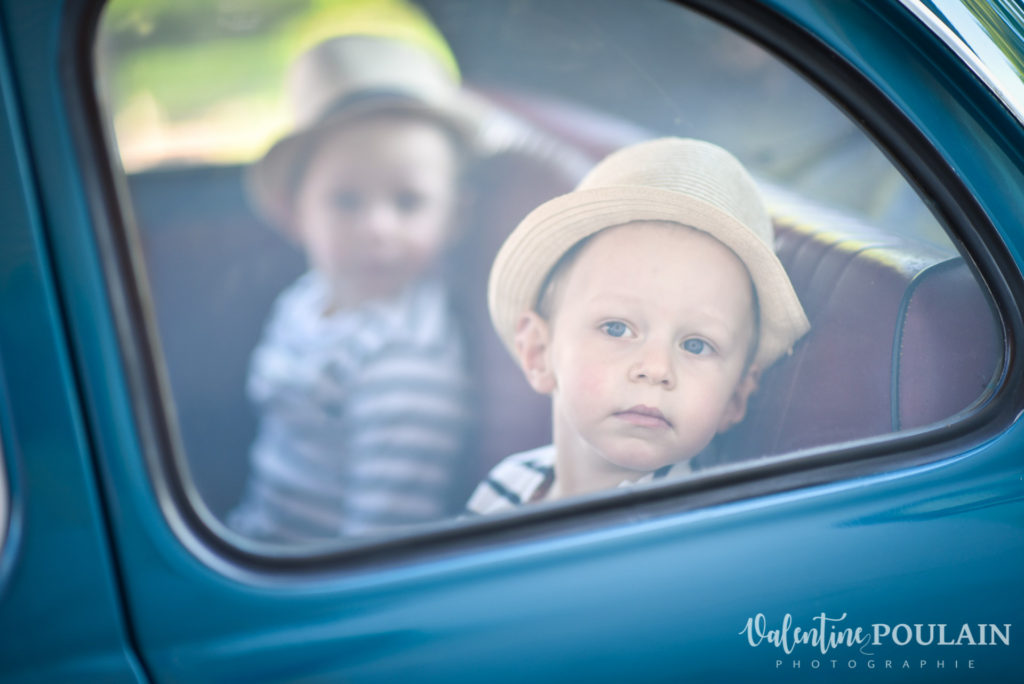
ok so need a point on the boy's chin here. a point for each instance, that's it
(638, 462)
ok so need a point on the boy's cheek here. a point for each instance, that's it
(588, 381)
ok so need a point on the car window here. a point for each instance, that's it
(391, 401)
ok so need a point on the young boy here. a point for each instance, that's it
(646, 303)
(360, 377)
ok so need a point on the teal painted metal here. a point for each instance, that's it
(625, 597)
(61, 617)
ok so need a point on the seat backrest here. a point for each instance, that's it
(902, 336)
(214, 269)
(511, 417)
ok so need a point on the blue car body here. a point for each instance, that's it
(104, 576)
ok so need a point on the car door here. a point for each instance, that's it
(61, 611)
(895, 553)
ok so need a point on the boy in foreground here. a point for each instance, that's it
(646, 303)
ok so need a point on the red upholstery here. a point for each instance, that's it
(510, 416)
(902, 337)
(585, 130)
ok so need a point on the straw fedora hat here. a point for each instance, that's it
(347, 77)
(690, 182)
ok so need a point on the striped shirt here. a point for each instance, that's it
(528, 476)
(363, 415)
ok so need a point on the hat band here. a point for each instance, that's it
(360, 97)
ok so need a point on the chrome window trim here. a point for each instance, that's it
(5, 499)
(979, 65)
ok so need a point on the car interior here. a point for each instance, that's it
(902, 336)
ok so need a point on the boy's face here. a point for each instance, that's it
(646, 351)
(375, 205)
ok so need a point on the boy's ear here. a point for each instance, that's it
(737, 406)
(291, 226)
(532, 344)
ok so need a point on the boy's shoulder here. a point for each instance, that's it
(418, 316)
(514, 481)
(542, 457)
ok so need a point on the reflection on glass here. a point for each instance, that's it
(196, 98)
(4, 499)
(990, 28)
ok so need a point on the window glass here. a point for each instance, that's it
(320, 189)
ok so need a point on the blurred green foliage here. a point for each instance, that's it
(188, 54)
(204, 79)
(150, 22)
(998, 17)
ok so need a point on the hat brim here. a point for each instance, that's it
(539, 241)
(270, 181)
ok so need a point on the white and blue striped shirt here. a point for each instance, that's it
(528, 476)
(363, 415)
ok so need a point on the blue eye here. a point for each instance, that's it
(408, 202)
(696, 346)
(614, 328)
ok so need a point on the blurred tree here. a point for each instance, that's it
(196, 79)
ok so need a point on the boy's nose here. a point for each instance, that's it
(653, 367)
(379, 221)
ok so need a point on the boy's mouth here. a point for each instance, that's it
(644, 416)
